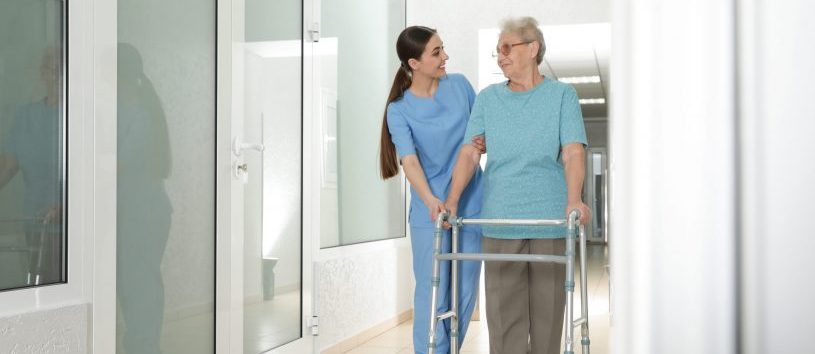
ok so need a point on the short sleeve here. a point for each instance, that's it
(572, 129)
(401, 135)
(470, 91)
(475, 126)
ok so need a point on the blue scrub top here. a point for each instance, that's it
(432, 129)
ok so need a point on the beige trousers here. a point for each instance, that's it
(525, 301)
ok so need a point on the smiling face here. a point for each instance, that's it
(516, 56)
(433, 60)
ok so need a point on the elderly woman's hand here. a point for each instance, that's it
(452, 209)
(585, 213)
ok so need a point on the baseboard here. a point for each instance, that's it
(368, 334)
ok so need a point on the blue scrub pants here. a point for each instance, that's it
(469, 273)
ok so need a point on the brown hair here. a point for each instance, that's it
(409, 45)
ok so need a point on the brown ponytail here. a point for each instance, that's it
(409, 45)
(388, 161)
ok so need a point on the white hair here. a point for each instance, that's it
(527, 29)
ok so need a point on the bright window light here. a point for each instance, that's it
(592, 100)
(580, 79)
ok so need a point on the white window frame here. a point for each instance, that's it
(91, 162)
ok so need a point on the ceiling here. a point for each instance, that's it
(572, 51)
(580, 51)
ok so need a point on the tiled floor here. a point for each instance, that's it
(269, 324)
(398, 340)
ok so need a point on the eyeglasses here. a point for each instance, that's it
(506, 48)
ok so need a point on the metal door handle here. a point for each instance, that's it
(238, 146)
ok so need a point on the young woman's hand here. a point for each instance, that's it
(480, 143)
(436, 207)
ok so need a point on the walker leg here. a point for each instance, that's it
(454, 291)
(431, 343)
(584, 298)
(569, 287)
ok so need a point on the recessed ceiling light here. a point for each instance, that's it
(592, 100)
(580, 79)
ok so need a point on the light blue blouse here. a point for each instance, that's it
(524, 177)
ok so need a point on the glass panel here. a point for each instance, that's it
(166, 177)
(357, 64)
(270, 67)
(32, 130)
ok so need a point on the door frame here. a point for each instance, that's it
(591, 192)
(229, 297)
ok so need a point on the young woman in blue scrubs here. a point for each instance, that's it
(424, 123)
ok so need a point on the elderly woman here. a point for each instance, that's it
(535, 169)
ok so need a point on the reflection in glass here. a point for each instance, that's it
(165, 177)
(144, 211)
(270, 68)
(32, 127)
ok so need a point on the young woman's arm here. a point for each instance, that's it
(415, 175)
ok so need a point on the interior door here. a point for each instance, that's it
(267, 177)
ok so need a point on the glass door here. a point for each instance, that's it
(267, 154)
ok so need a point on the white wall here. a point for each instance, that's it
(673, 178)
(361, 286)
(711, 178)
(458, 22)
(61, 330)
(776, 73)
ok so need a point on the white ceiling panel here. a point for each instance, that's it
(571, 51)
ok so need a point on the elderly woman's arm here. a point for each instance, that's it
(466, 163)
(574, 164)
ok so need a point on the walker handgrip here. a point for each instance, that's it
(441, 219)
